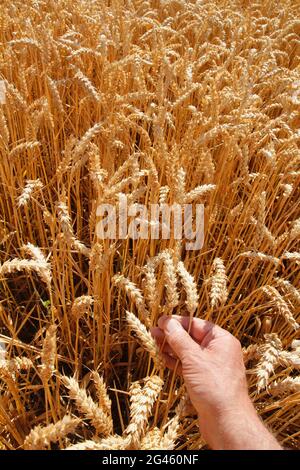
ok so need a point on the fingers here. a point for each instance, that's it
(171, 360)
(197, 328)
(173, 364)
(158, 334)
(161, 340)
(178, 338)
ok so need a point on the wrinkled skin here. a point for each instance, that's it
(211, 362)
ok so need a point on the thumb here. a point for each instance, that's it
(178, 338)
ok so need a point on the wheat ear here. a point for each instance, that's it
(171, 434)
(141, 403)
(28, 191)
(67, 229)
(8, 368)
(291, 290)
(29, 266)
(170, 276)
(219, 293)
(270, 352)
(145, 338)
(135, 295)
(40, 437)
(289, 385)
(190, 287)
(81, 305)
(290, 359)
(99, 419)
(152, 440)
(108, 443)
(281, 305)
(48, 354)
(197, 192)
(151, 289)
(103, 397)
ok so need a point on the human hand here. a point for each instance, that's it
(211, 362)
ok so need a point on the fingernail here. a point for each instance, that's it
(161, 321)
(170, 325)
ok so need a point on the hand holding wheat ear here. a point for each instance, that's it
(211, 362)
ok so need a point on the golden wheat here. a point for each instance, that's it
(150, 102)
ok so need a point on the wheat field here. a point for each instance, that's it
(169, 101)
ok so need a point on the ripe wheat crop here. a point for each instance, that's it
(154, 101)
